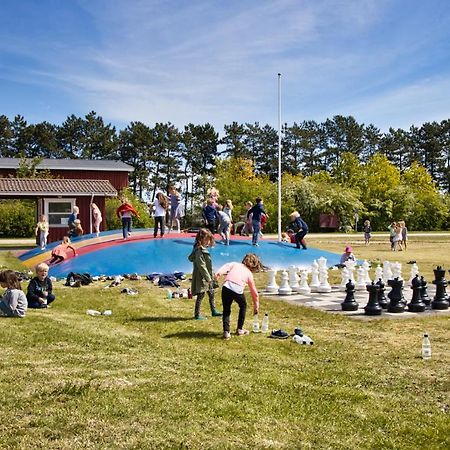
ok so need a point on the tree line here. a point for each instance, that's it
(337, 155)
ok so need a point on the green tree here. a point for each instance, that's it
(6, 136)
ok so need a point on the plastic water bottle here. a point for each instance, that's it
(426, 347)
(107, 312)
(169, 294)
(93, 312)
(255, 324)
(265, 323)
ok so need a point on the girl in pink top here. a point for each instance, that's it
(237, 276)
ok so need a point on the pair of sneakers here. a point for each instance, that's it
(214, 313)
(239, 332)
(281, 334)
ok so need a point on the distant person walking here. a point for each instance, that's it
(256, 211)
(125, 212)
(367, 228)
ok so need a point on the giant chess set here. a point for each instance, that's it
(358, 295)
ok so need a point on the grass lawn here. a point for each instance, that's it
(150, 377)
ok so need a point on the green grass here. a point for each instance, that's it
(151, 377)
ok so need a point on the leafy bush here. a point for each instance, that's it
(17, 218)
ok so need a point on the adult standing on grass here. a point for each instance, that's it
(300, 228)
(13, 303)
(125, 211)
(202, 274)
(237, 276)
(256, 211)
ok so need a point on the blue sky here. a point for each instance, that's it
(385, 62)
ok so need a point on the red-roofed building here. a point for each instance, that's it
(77, 182)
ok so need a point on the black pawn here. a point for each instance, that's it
(349, 304)
(382, 300)
(416, 304)
(440, 300)
(423, 292)
(397, 301)
(373, 308)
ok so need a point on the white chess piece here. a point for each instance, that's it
(272, 286)
(314, 277)
(345, 277)
(284, 288)
(351, 269)
(293, 277)
(397, 270)
(303, 287)
(366, 266)
(414, 272)
(360, 279)
(322, 261)
(378, 273)
(324, 286)
(387, 272)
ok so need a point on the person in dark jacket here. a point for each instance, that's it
(209, 214)
(300, 228)
(40, 289)
(256, 213)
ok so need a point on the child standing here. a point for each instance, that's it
(404, 233)
(42, 231)
(13, 303)
(237, 276)
(367, 228)
(224, 225)
(160, 206)
(97, 216)
(209, 214)
(202, 274)
(124, 212)
(257, 211)
(40, 288)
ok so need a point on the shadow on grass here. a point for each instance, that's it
(161, 319)
(193, 334)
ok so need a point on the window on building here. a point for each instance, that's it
(58, 211)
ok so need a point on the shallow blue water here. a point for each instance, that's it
(170, 255)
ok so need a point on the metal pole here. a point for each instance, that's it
(279, 157)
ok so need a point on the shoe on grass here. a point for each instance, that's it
(216, 313)
(242, 332)
(200, 318)
(226, 335)
(279, 334)
(298, 332)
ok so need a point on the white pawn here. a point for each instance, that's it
(366, 266)
(378, 273)
(293, 277)
(303, 287)
(397, 270)
(360, 279)
(351, 269)
(284, 288)
(324, 286)
(387, 272)
(414, 272)
(272, 286)
(344, 280)
(314, 285)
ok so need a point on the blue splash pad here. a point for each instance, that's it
(170, 255)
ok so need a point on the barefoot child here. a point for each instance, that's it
(202, 275)
(237, 276)
(13, 303)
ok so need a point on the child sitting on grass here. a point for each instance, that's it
(202, 275)
(39, 292)
(13, 303)
(237, 276)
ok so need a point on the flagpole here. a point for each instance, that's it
(279, 157)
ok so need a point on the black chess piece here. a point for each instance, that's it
(416, 304)
(423, 292)
(440, 300)
(373, 308)
(397, 301)
(382, 300)
(349, 304)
